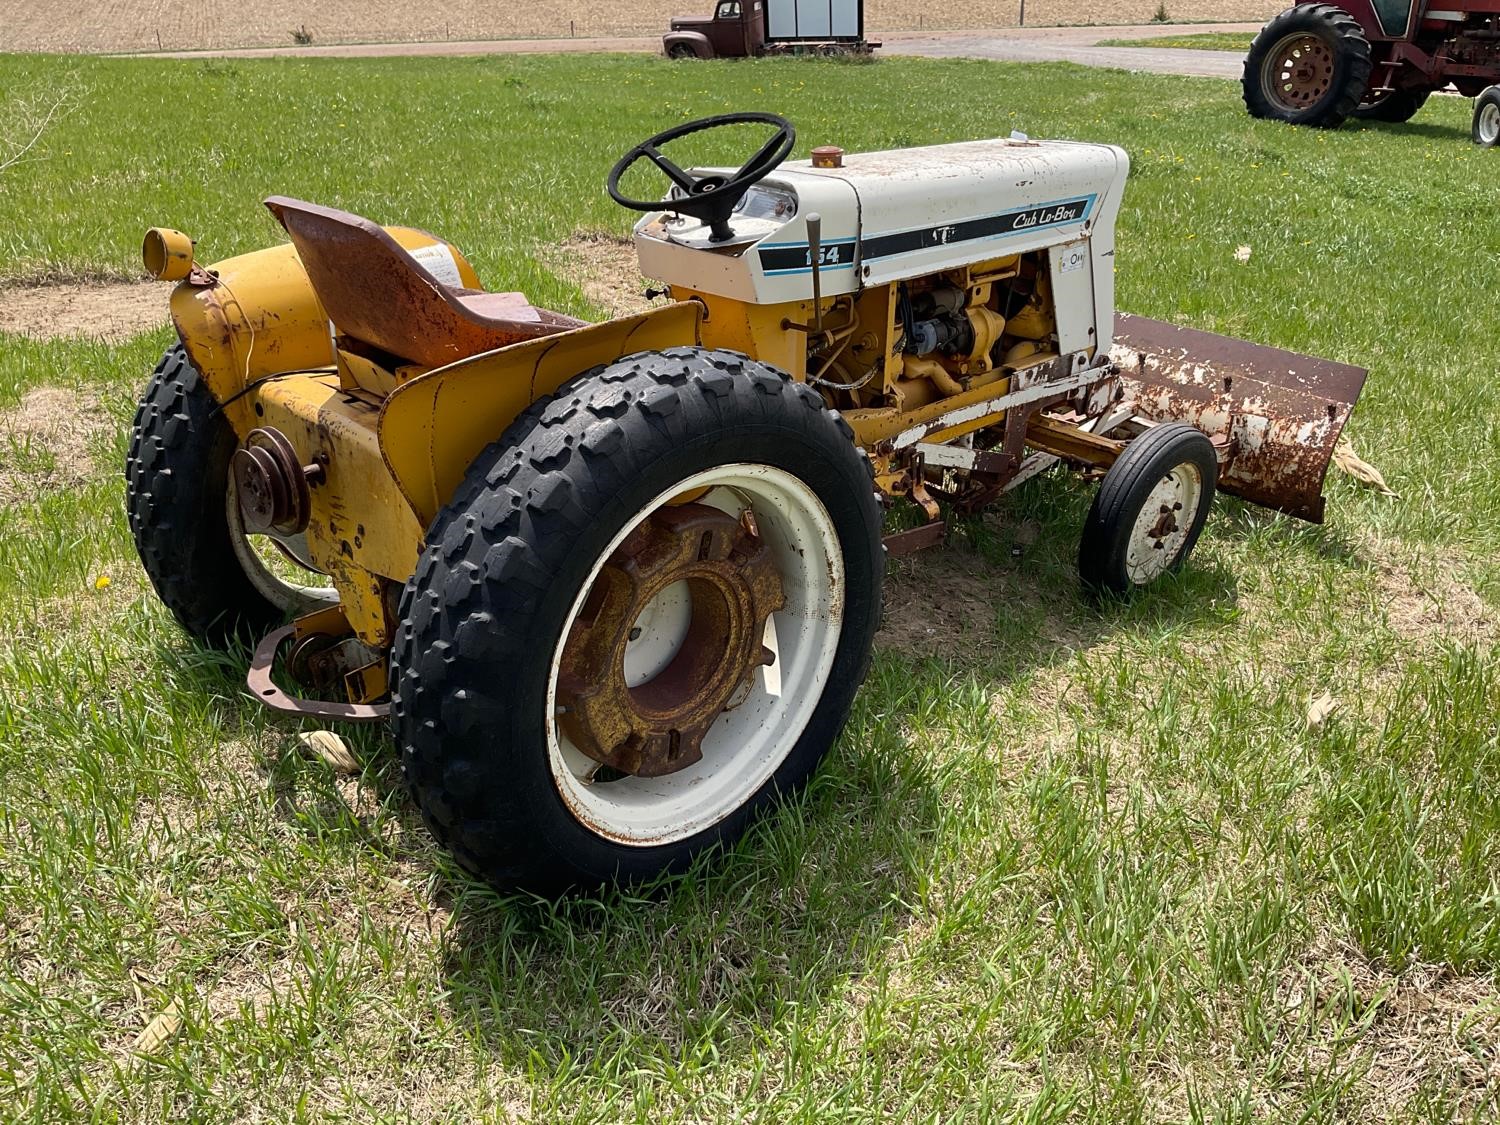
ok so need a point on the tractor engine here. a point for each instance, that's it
(956, 337)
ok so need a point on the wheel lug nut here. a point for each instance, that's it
(635, 633)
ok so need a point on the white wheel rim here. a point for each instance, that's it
(287, 596)
(1489, 123)
(1161, 526)
(750, 740)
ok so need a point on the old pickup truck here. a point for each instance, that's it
(747, 28)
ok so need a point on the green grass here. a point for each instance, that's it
(1064, 863)
(1237, 42)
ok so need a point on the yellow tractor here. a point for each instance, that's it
(615, 585)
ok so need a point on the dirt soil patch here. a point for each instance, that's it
(111, 310)
(949, 599)
(605, 269)
(44, 443)
(1427, 601)
(962, 619)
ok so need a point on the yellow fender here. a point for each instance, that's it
(263, 318)
(434, 426)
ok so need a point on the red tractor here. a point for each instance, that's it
(1316, 63)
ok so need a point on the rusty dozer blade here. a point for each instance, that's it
(1277, 413)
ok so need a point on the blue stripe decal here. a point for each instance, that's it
(782, 258)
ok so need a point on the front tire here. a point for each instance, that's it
(1308, 66)
(1486, 126)
(1149, 510)
(514, 626)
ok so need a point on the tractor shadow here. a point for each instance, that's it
(786, 919)
(1430, 130)
(1002, 599)
(798, 915)
(794, 917)
(1242, 522)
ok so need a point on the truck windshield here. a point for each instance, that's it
(728, 10)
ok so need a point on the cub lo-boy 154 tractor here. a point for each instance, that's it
(615, 585)
(1319, 63)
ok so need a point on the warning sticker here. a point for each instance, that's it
(439, 261)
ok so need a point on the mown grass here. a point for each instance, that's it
(1237, 42)
(1064, 862)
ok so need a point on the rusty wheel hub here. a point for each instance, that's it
(271, 484)
(1299, 71)
(728, 578)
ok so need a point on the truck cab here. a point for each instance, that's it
(737, 29)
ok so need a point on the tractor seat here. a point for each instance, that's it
(377, 293)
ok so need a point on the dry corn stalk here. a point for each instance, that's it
(1361, 470)
(159, 1032)
(331, 748)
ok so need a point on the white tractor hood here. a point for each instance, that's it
(892, 215)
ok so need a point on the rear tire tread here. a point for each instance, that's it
(176, 481)
(1351, 55)
(492, 555)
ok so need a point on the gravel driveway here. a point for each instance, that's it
(1079, 45)
(1031, 44)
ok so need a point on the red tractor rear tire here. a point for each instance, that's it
(1395, 107)
(1308, 66)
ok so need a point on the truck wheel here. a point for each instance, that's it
(1486, 128)
(642, 618)
(1395, 107)
(681, 51)
(1308, 66)
(1149, 510)
(217, 581)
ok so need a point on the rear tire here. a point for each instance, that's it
(1308, 66)
(514, 567)
(1486, 127)
(176, 484)
(1149, 510)
(1396, 107)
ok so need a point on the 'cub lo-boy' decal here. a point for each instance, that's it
(795, 257)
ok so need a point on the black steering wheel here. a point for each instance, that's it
(709, 198)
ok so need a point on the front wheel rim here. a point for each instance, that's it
(749, 740)
(1162, 525)
(1489, 123)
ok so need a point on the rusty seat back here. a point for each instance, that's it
(377, 293)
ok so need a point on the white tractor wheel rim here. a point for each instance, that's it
(1161, 526)
(751, 739)
(287, 596)
(1489, 123)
